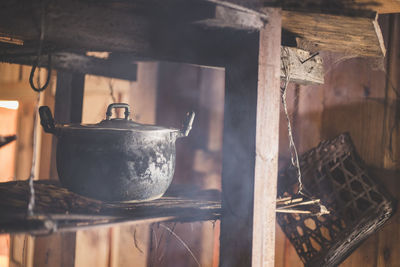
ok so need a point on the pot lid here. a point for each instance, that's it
(120, 124)
(49, 126)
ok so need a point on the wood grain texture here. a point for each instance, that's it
(326, 6)
(127, 28)
(305, 67)
(65, 210)
(353, 102)
(353, 99)
(267, 140)
(351, 35)
(250, 150)
(381, 6)
(54, 251)
(388, 245)
(391, 127)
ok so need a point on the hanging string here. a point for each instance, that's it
(292, 147)
(31, 204)
(294, 157)
(37, 63)
(33, 70)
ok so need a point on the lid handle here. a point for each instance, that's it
(118, 105)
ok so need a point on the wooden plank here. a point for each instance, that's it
(67, 107)
(238, 164)
(90, 253)
(76, 63)
(387, 247)
(59, 251)
(68, 211)
(381, 6)
(69, 97)
(267, 142)
(109, 27)
(104, 28)
(332, 7)
(98, 28)
(250, 150)
(305, 67)
(391, 130)
(350, 35)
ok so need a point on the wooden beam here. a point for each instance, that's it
(77, 63)
(110, 27)
(68, 211)
(69, 97)
(238, 164)
(250, 150)
(267, 140)
(381, 6)
(351, 35)
(318, 6)
(127, 28)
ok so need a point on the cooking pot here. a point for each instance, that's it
(115, 159)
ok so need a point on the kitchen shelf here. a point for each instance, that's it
(57, 209)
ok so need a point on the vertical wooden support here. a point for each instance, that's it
(59, 249)
(250, 149)
(267, 142)
(69, 97)
(68, 105)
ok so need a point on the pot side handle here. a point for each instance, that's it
(187, 124)
(46, 120)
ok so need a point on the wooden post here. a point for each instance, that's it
(68, 106)
(267, 142)
(69, 97)
(250, 149)
(59, 249)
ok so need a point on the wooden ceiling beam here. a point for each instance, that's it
(305, 67)
(350, 35)
(333, 7)
(202, 33)
(76, 63)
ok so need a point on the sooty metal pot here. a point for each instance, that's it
(116, 159)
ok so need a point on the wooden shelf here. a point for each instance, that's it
(58, 209)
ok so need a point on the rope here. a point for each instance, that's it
(46, 84)
(294, 157)
(292, 147)
(31, 204)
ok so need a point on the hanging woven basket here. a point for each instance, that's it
(358, 203)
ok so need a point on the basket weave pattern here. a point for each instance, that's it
(358, 204)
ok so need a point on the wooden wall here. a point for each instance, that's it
(357, 97)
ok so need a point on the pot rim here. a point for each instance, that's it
(145, 128)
